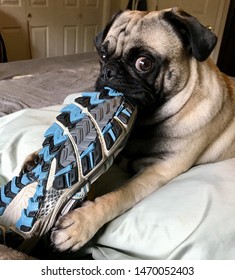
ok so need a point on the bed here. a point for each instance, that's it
(44, 82)
(192, 217)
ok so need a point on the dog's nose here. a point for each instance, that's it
(109, 72)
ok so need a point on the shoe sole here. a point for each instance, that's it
(79, 147)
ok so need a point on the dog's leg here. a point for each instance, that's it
(73, 230)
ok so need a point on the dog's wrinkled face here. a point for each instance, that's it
(146, 55)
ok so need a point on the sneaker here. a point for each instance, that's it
(79, 147)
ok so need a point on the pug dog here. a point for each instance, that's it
(186, 110)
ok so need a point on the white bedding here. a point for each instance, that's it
(192, 217)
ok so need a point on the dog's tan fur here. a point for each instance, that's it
(200, 126)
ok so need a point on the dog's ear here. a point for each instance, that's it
(200, 40)
(101, 36)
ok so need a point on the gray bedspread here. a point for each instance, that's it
(44, 82)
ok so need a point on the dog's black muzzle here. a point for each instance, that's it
(109, 71)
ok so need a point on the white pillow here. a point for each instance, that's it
(192, 217)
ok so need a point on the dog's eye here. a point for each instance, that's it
(143, 64)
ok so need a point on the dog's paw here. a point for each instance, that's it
(75, 229)
(30, 162)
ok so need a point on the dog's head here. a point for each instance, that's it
(146, 55)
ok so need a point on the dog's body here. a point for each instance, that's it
(186, 110)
